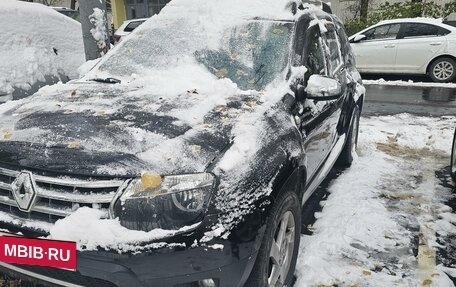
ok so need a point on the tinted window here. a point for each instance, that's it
(335, 57)
(383, 32)
(133, 25)
(315, 60)
(420, 30)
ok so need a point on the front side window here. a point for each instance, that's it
(335, 57)
(423, 30)
(383, 32)
(315, 56)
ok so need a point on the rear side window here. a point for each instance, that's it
(424, 30)
(133, 25)
(383, 32)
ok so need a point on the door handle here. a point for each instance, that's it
(436, 44)
(389, 46)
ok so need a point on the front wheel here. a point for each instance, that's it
(453, 158)
(276, 259)
(442, 70)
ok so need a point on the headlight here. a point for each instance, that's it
(168, 202)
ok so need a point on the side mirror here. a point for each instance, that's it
(358, 38)
(321, 88)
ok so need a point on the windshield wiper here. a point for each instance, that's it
(106, 80)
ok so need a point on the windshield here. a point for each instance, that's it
(251, 55)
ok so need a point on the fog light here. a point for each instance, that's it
(207, 283)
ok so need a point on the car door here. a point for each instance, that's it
(419, 43)
(319, 118)
(377, 52)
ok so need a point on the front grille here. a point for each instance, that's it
(57, 197)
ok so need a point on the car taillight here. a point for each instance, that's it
(117, 38)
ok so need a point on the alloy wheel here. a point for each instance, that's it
(443, 70)
(282, 248)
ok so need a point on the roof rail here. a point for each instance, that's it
(296, 5)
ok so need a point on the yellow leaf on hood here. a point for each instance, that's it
(74, 144)
(7, 134)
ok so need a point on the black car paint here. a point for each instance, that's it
(174, 265)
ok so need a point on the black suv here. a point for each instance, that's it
(185, 156)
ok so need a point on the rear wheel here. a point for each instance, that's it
(443, 70)
(349, 150)
(453, 158)
(276, 259)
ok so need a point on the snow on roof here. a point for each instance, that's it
(36, 41)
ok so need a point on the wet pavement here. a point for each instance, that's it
(426, 101)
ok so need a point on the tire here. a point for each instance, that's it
(453, 158)
(284, 222)
(442, 70)
(346, 155)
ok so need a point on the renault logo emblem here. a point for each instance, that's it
(24, 191)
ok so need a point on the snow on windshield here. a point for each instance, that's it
(192, 33)
(251, 54)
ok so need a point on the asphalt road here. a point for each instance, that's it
(428, 101)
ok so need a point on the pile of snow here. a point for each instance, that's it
(365, 233)
(408, 83)
(36, 42)
(86, 227)
(99, 32)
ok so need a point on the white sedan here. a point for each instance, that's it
(407, 46)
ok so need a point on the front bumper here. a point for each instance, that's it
(179, 266)
(174, 269)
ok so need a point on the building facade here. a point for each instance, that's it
(132, 9)
(143, 8)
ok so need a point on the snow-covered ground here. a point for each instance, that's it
(409, 83)
(378, 210)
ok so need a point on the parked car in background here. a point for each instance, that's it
(39, 46)
(73, 14)
(407, 46)
(453, 158)
(126, 28)
(185, 156)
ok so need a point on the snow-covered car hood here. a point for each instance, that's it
(106, 129)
